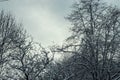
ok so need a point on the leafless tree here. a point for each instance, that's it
(95, 40)
(10, 33)
(32, 62)
(20, 57)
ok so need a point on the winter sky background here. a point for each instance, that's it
(43, 19)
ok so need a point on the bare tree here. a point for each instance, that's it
(10, 33)
(95, 39)
(20, 57)
(31, 61)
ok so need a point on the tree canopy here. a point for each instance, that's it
(95, 41)
(92, 52)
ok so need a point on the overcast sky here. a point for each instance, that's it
(43, 19)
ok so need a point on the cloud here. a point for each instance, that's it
(43, 19)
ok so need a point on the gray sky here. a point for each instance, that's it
(43, 19)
